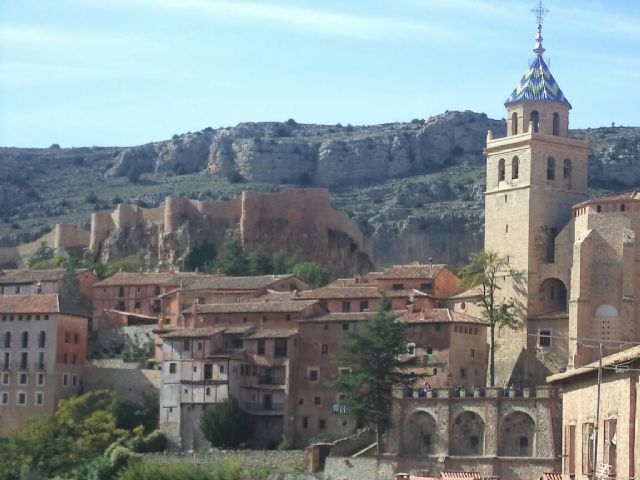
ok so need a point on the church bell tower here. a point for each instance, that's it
(534, 175)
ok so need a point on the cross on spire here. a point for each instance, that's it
(540, 12)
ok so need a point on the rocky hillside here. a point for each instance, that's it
(415, 187)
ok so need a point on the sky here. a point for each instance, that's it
(127, 72)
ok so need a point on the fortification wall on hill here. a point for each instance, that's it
(300, 221)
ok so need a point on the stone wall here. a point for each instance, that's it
(283, 461)
(131, 384)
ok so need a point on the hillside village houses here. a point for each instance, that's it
(272, 342)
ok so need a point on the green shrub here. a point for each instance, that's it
(137, 470)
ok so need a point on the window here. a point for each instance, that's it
(22, 398)
(39, 398)
(7, 340)
(42, 339)
(322, 423)
(304, 422)
(551, 169)
(345, 326)
(24, 360)
(186, 345)
(6, 379)
(173, 367)
(25, 340)
(346, 307)
(599, 209)
(622, 206)
(426, 286)
(74, 380)
(523, 443)
(264, 318)
(463, 372)
(324, 348)
(534, 118)
(7, 361)
(317, 400)
(587, 448)
(120, 305)
(23, 378)
(121, 292)
(411, 348)
(280, 347)
(136, 305)
(221, 368)
(610, 440)
(566, 171)
(515, 168)
(501, 170)
(364, 305)
(4, 398)
(544, 338)
(17, 289)
(208, 371)
(40, 379)
(473, 353)
(156, 306)
(301, 401)
(556, 124)
(261, 346)
(65, 379)
(398, 286)
(314, 375)
(514, 123)
(157, 290)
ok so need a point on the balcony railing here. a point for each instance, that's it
(479, 392)
(264, 408)
(270, 380)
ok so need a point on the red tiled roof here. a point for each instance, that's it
(25, 275)
(328, 293)
(221, 282)
(438, 315)
(256, 307)
(454, 474)
(551, 476)
(412, 270)
(622, 197)
(161, 278)
(202, 332)
(340, 317)
(275, 333)
(41, 303)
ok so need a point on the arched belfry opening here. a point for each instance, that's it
(556, 124)
(553, 296)
(515, 168)
(534, 120)
(501, 170)
(514, 123)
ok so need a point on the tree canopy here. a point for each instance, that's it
(485, 271)
(373, 356)
(226, 424)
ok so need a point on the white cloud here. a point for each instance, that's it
(304, 19)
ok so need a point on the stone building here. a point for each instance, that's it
(510, 434)
(534, 176)
(617, 429)
(42, 357)
(451, 349)
(29, 282)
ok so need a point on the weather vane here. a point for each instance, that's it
(540, 12)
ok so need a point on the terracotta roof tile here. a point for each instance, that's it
(25, 275)
(327, 293)
(162, 278)
(275, 333)
(551, 476)
(220, 282)
(438, 315)
(202, 332)
(625, 356)
(256, 307)
(412, 270)
(340, 317)
(42, 303)
(454, 474)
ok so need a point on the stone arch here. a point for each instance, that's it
(534, 119)
(467, 434)
(514, 123)
(517, 435)
(551, 168)
(515, 168)
(607, 321)
(501, 170)
(556, 124)
(553, 295)
(420, 434)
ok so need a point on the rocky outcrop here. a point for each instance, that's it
(415, 188)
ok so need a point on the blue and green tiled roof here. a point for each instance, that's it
(538, 84)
